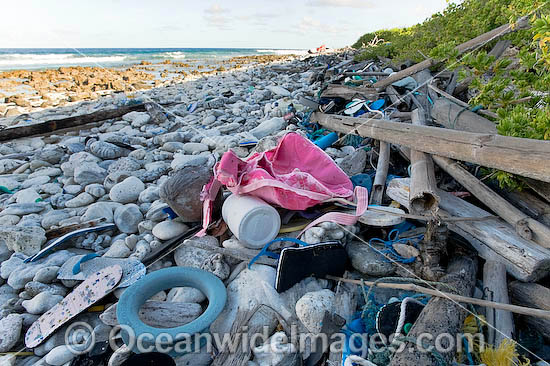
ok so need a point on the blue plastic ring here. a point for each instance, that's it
(135, 296)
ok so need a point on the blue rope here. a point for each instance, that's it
(266, 252)
(393, 238)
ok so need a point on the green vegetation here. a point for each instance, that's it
(516, 86)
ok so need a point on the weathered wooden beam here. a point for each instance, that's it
(381, 174)
(423, 197)
(529, 204)
(495, 288)
(520, 156)
(16, 132)
(533, 295)
(541, 188)
(526, 227)
(348, 92)
(459, 102)
(441, 316)
(456, 117)
(522, 23)
(493, 239)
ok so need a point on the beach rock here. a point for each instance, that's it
(187, 256)
(52, 155)
(60, 355)
(311, 308)
(215, 264)
(59, 200)
(201, 358)
(185, 294)
(269, 127)
(194, 148)
(118, 249)
(83, 199)
(46, 275)
(96, 190)
(48, 172)
(127, 218)
(186, 202)
(120, 356)
(169, 229)
(150, 194)
(52, 218)
(41, 303)
(278, 90)
(368, 261)
(9, 220)
(21, 209)
(101, 210)
(106, 150)
(159, 314)
(88, 173)
(36, 181)
(127, 191)
(73, 189)
(27, 240)
(10, 330)
(7, 293)
(127, 164)
(182, 161)
(355, 163)
(28, 195)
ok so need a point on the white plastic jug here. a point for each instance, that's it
(251, 220)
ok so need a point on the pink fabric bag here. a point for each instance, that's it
(294, 175)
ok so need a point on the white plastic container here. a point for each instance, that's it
(251, 220)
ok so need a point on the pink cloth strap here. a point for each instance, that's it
(362, 201)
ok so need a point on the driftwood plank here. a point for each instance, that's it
(522, 23)
(348, 92)
(16, 132)
(525, 157)
(381, 174)
(526, 227)
(457, 117)
(495, 288)
(533, 295)
(493, 239)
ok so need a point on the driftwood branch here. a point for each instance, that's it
(512, 154)
(381, 174)
(460, 118)
(533, 295)
(495, 288)
(423, 197)
(526, 227)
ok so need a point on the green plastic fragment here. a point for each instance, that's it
(5, 190)
(407, 328)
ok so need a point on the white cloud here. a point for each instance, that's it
(341, 3)
(217, 16)
(309, 24)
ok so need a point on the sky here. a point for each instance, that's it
(266, 24)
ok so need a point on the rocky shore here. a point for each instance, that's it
(118, 172)
(23, 91)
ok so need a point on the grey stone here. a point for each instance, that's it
(88, 173)
(46, 274)
(10, 330)
(60, 355)
(269, 127)
(185, 294)
(27, 240)
(41, 303)
(355, 163)
(83, 199)
(169, 229)
(368, 261)
(127, 191)
(159, 314)
(127, 218)
(311, 309)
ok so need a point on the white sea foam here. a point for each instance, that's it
(284, 52)
(23, 59)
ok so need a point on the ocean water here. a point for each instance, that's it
(44, 58)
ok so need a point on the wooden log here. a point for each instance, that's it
(533, 295)
(395, 98)
(529, 204)
(448, 96)
(348, 92)
(240, 254)
(423, 78)
(457, 117)
(381, 174)
(493, 239)
(495, 287)
(512, 154)
(16, 132)
(522, 23)
(367, 73)
(423, 197)
(441, 316)
(526, 227)
(541, 188)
